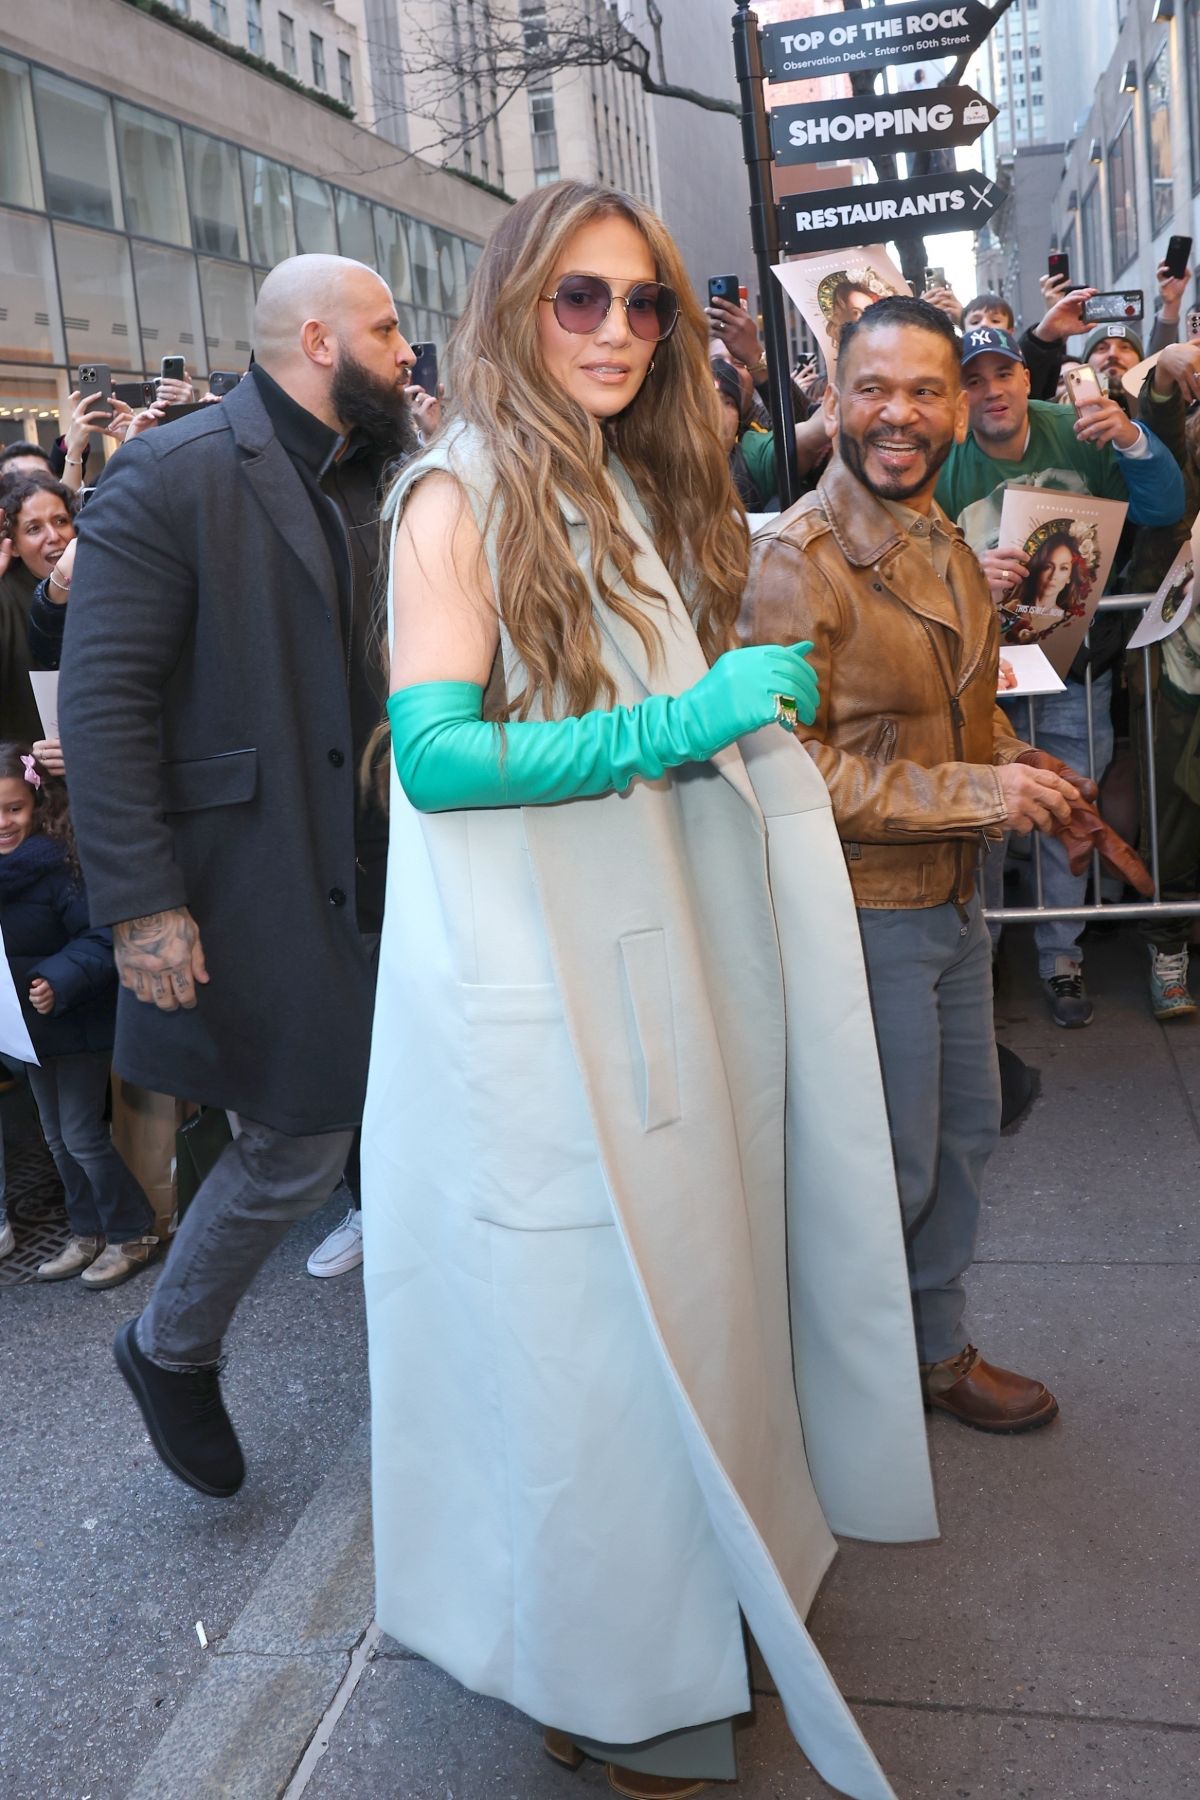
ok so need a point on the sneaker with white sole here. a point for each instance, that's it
(8, 1242)
(1169, 996)
(118, 1262)
(76, 1255)
(1070, 1006)
(342, 1250)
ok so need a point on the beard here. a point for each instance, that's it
(377, 408)
(898, 487)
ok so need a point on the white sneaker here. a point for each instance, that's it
(8, 1242)
(342, 1249)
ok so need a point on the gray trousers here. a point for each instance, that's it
(260, 1185)
(930, 977)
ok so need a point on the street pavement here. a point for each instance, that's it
(1044, 1649)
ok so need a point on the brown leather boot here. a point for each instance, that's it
(980, 1394)
(651, 1787)
(629, 1782)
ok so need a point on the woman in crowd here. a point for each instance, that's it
(587, 1449)
(35, 529)
(66, 980)
(1055, 589)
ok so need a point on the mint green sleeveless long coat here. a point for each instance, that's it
(639, 1317)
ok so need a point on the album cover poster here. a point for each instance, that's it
(833, 287)
(1172, 606)
(1070, 540)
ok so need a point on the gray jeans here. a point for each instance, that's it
(930, 977)
(260, 1185)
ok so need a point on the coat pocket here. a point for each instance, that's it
(201, 781)
(651, 1018)
(532, 1146)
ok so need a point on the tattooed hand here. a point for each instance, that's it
(160, 958)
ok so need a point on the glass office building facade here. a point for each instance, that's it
(126, 236)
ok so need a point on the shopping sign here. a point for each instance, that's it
(830, 218)
(922, 119)
(872, 38)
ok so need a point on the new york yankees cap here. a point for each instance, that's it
(982, 340)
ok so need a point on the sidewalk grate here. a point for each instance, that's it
(34, 1198)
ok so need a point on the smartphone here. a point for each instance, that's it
(1179, 249)
(1083, 385)
(95, 382)
(174, 368)
(1193, 322)
(181, 411)
(131, 392)
(150, 391)
(82, 498)
(1058, 266)
(724, 287)
(223, 381)
(424, 373)
(1106, 309)
(934, 278)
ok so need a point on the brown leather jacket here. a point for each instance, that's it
(909, 731)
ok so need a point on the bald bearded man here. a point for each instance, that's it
(219, 684)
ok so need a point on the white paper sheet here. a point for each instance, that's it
(14, 1033)
(45, 692)
(1033, 671)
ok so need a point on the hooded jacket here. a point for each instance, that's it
(44, 916)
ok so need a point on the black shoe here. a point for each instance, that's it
(185, 1417)
(1069, 1003)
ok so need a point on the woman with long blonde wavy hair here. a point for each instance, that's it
(598, 1073)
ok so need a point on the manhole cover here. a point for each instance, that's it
(34, 1197)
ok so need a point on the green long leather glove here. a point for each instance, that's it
(448, 757)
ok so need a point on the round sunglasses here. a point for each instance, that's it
(583, 302)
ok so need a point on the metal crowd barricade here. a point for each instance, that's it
(1147, 790)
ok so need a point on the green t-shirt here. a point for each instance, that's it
(758, 448)
(969, 474)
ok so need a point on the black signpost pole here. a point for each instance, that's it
(764, 235)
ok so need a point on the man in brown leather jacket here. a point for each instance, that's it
(922, 768)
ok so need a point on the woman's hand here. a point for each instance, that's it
(426, 409)
(118, 425)
(41, 996)
(144, 420)
(58, 583)
(1007, 679)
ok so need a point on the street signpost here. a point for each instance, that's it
(837, 43)
(957, 200)
(842, 43)
(928, 119)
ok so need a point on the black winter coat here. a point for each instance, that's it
(205, 722)
(44, 916)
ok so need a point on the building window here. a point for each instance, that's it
(20, 175)
(152, 174)
(1192, 83)
(32, 325)
(1158, 139)
(316, 46)
(268, 209)
(78, 150)
(168, 306)
(1122, 196)
(346, 77)
(97, 296)
(220, 18)
(254, 30)
(215, 194)
(316, 229)
(1091, 237)
(227, 290)
(287, 43)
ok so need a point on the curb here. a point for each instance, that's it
(245, 1726)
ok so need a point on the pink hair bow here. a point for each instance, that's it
(31, 772)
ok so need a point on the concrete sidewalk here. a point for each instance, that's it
(1045, 1649)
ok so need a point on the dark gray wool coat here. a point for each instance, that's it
(206, 728)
